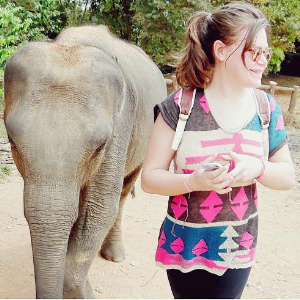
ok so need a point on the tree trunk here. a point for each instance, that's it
(128, 15)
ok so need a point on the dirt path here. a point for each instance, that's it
(275, 275)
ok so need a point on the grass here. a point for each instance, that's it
(4, 171)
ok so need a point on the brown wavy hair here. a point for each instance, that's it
(196, 61)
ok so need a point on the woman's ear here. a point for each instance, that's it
(219, 50)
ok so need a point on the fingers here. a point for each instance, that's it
(221, 180)
(220, 174)
(217, 173)
(231, 156)
(234, 155)
(237, 173)
(211, 158)
(226, 157)
(225, 184)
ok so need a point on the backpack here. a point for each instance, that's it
(186, 101)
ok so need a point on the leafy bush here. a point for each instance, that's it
(15, 30)
(34, 20)
(155, 25)
(45, 16)
(275, 62)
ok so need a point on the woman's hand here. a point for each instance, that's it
(217, 180)
(247, 167)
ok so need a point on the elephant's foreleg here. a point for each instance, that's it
(112, 247)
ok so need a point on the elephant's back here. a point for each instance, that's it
(132, 60)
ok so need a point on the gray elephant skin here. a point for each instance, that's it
(78, 113)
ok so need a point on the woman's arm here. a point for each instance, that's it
(156, 177)
(279, 171)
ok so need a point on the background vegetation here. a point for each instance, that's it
(155, 25)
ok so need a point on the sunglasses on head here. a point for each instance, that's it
(257, 51)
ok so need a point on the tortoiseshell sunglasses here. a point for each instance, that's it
(257, 51)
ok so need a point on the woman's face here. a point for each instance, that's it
(248, 74)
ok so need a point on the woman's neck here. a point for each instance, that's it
(229, 90)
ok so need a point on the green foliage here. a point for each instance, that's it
(161, 27)
(14, 30)
(45, 16)
(275, 62)
(117, 15)
(284, 17)
(4, 171)
(156, 25)
(22, 21)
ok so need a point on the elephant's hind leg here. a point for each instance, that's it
(112, 247)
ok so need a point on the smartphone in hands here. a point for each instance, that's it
(211, 166)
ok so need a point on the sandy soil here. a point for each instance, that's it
(275, 275)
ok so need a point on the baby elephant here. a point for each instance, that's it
(78, 113)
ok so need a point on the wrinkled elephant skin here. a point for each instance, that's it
(78, 113)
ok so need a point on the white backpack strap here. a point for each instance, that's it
(183, 117)
(264, 113)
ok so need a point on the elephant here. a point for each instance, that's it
(78, 114)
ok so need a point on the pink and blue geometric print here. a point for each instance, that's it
(277, 132)
(194, 242)
(214, 249)
(203, 119)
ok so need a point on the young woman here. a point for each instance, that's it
(208, 240)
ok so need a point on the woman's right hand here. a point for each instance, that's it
(217, 180)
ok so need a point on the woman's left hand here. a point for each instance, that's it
(246, 167)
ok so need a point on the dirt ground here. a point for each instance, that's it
(275, 275)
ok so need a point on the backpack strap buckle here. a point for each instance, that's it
(185, 102)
